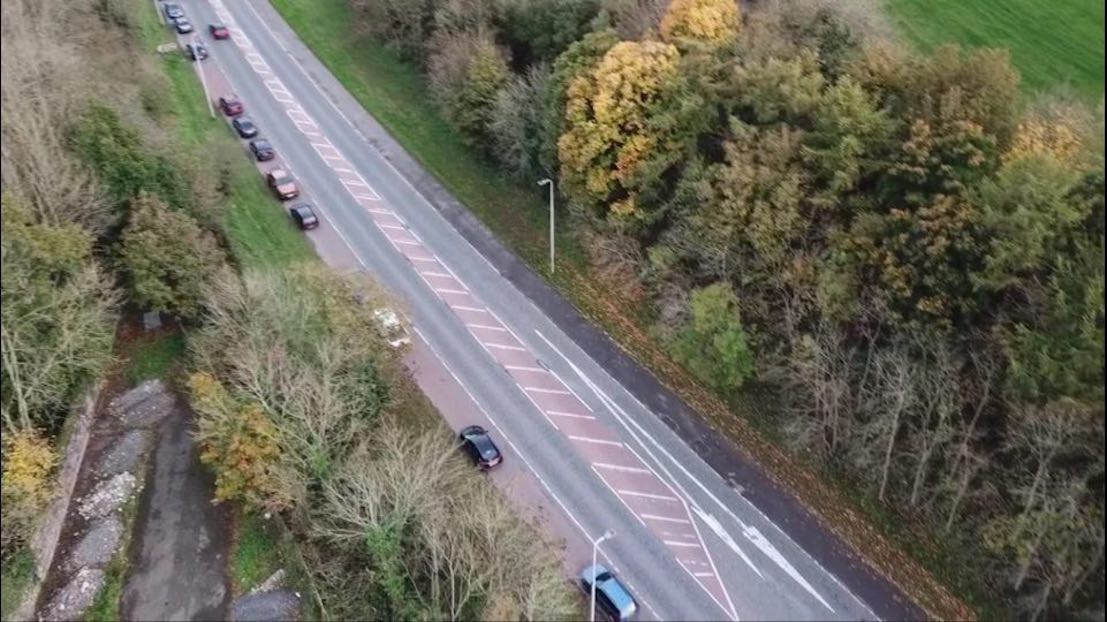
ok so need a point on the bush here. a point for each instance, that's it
(517, 124)
(26, 485)
(714, 345)
(167, 257)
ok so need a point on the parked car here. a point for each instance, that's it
(230, 105)
(303, 216)
(612, 598)
(219, 32)
(478, 444)
(196, 51)
(262, 150)
(182, 25)
(391, 328)
(244, 127)
(172, 12)
(282, 184)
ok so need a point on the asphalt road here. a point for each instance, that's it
(687, 543)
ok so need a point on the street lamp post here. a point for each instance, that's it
(549, 182)
(607, 535)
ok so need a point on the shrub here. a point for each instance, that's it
(713, 345)
(466, 74)
(26, 485)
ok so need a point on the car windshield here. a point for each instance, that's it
(261, 144)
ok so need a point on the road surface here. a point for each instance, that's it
(688, 545)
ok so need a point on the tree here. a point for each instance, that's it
(609, 134)
(404, 25)
(540, 30)
(167, 257)
(578, 60)
(467, 72)
(57, 319)
(713, 22)
(516, 125)
(713, 345)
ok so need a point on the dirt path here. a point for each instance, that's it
(179, 551)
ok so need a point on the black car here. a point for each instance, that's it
(182, 25)
(478, 444)
(304, 216)
(196, 51)
(245, 127)
(262, 150)
(173, 11)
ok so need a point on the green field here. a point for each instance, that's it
(1056, 43)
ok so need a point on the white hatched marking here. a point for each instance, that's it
(339, 169)
(684, 544)
(427, 259)
(520, 367)
(559, 413)
(703, 574)
(619, 467)
(383, 225)
(431, 272)
(487, 327)
(500, 346)
(464, 308)
(446, 290)
(377, 210)
(598, 441)
(665, 519)
(365, 197)
(647, 495)
(541, 390)
(405, 242)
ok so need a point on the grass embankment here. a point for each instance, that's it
(16, 577)
(1052, 44)
(395, 93)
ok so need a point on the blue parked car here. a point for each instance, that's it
(612, 598)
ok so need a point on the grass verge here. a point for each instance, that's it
(395, 93)
(154, 357)
(16, 576)
(106, 606)
(1052, 43)
(260, 548)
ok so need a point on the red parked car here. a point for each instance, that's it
(282, 184)
(230, 105)
(219, 32)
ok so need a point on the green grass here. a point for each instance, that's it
(1055, 43)
(153, 358)
(256, 554)
(16, 576)
(105, 608)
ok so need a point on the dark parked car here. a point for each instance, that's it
(303, 216)
(245, 127)
(196, 51)
(173, 11)
(262, 150)
(219, 32)
(182, 25)
(611, 597)
(478, 444)
(230, 105)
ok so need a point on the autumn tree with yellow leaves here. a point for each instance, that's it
(704, 21)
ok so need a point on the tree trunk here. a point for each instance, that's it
(888, 455)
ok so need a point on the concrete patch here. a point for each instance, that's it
(99, 543)
(124, 454)
(71, 601)
(276, 605)
(108, 496)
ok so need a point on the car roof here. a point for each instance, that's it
(278, 172)
(304, 209)
(611, 587)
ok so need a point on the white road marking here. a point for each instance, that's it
(518, 367)
(404, 242)
(427, 259)
(551, 391)
(464, 308)
(647, 495)
(704, 574)
(687, 544)
(487, 327)
(377, 210)
(558, 413)
(446, 290)
(442, 275)
(500, 346)
(618, 467)
(666, 519)
(396, 227)
(598, 441)
(365, 197)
